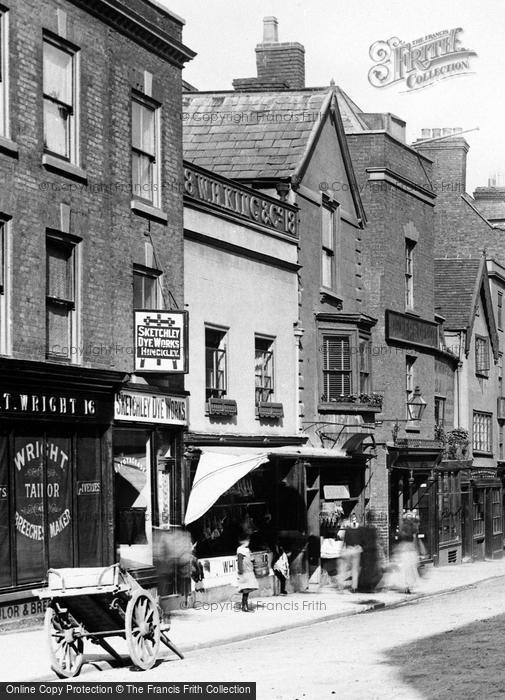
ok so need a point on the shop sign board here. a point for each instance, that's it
(219, 571)
(20, 404)
(161, 341)
(409, 330)
(239, 202)
(23, 610)
(141, 407)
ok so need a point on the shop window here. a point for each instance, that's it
(60, 297)
(481, 356)
(146, 288)
(439, 411)
(89, 499)
(328, 247)
(4, 61)
(478, 514)
(145, 150)
(215, 363)
(243, 508)
(409, 273)
(5, 547)
(59, 95)
(43, 504)
(449, 507)
(132, 468)
(365, 356)
(264, 369)
(496, 511)
(481, 433)
(499, 311)
(337, 368)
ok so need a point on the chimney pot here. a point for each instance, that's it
(446, 132)
(270, 30)
(458, 130)
(425, 133)
(436, 133)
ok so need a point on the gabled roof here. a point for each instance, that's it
(247, 135)
(459, 283)
(261, 135)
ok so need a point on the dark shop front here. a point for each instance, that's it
(55, 476)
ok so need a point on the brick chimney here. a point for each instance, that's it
(490, 200)
(448, 150)
(278, 64)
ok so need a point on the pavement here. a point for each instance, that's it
(24, 656)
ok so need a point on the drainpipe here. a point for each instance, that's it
(298, 333)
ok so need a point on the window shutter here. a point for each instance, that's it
(337, 366)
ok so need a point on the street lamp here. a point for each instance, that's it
(416, 406)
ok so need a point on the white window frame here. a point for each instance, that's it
(154, 199)
(73, 123)
(154, 274)
(4, 73)
(482, 432)
(409, 273)
(74, 355)
(329, 254)
(262, 391)
(223, 348)
(482, 359)
(5, 293)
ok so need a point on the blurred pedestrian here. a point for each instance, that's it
(246, 579)
(351, 554)
(406, 555)
(370, 562)
(281, 569)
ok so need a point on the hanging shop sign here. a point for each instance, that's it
(141, 407)
(408, 330)
(161, 341)
(239, 202)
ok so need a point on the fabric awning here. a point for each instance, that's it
(221, 467)
(216, 473)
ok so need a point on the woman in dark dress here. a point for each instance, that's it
(371, 570)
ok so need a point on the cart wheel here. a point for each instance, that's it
(142, 627)
(65, 649)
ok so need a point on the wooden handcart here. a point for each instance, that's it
(96, 603)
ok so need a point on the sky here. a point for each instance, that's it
(338, 34)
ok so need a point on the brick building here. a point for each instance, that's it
(465, 297)
(461, 226)
(408, 352)
(91, 228)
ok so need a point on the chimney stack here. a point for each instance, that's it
(449, 159)
(278, 64)
(270, 32)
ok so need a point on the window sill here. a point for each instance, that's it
(344, 407)
(481, 453)
(147, 210)
(9, 147)
(331, 297)
(412, 428)
(63, 167)
(409, 310)
(482, 375)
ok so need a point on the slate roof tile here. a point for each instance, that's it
(455, 281)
